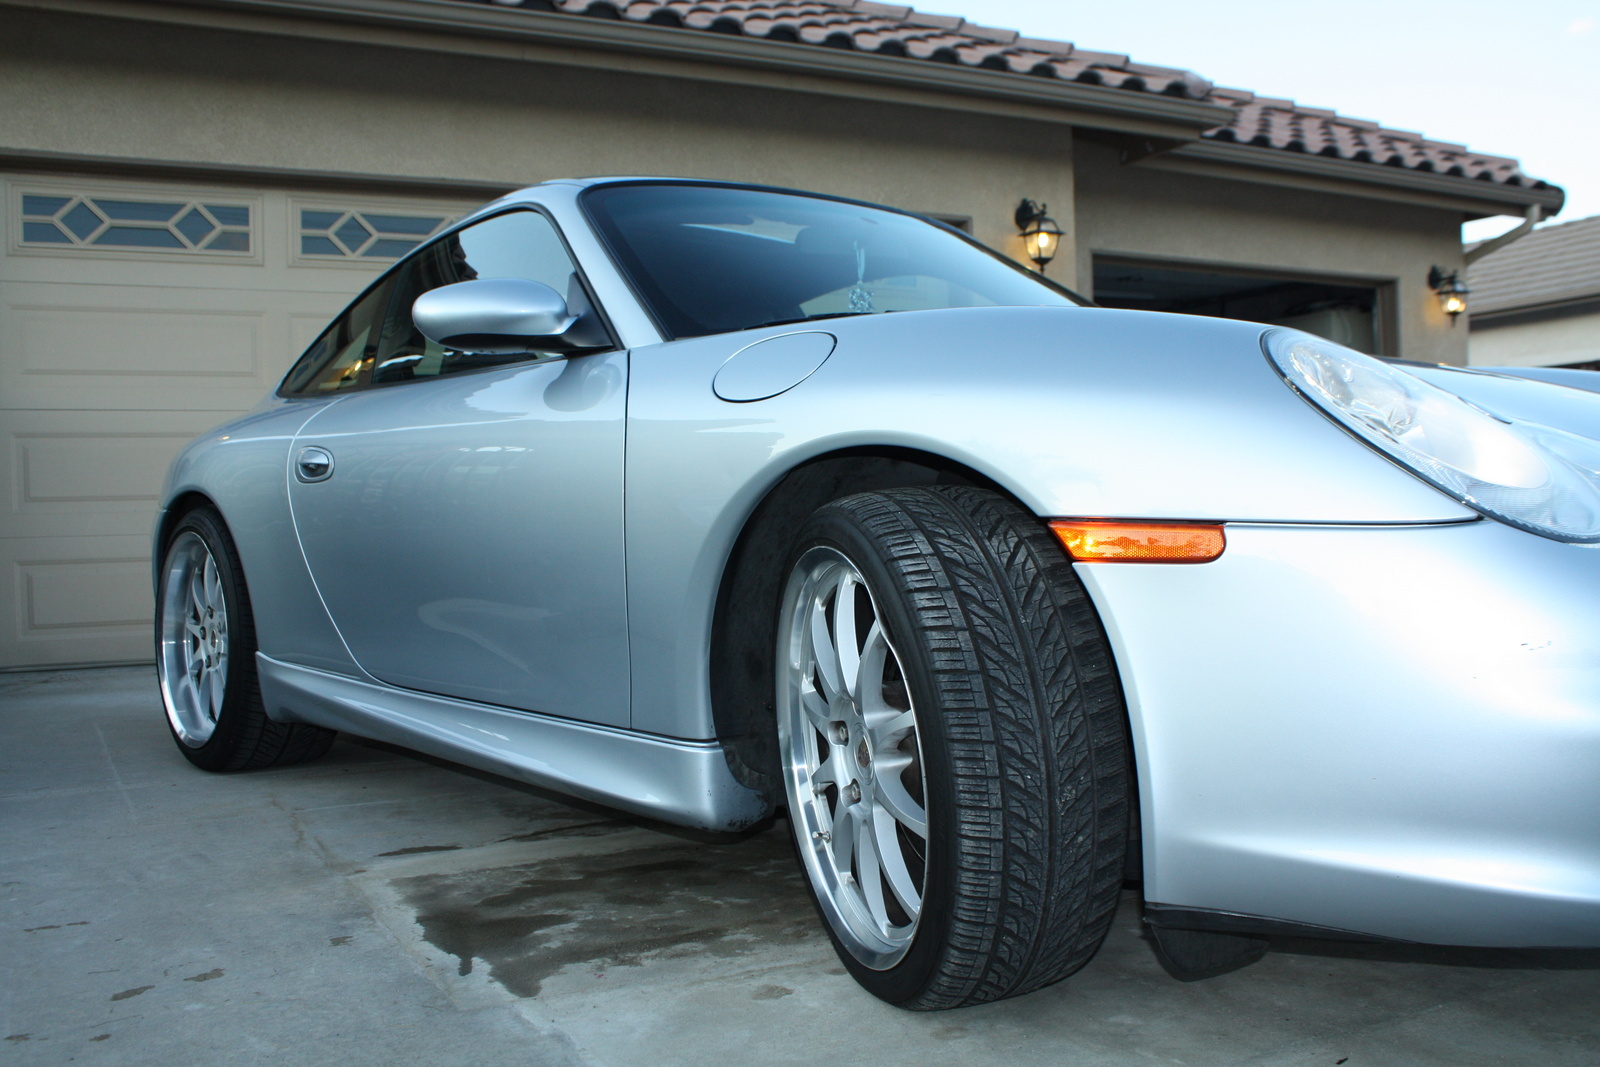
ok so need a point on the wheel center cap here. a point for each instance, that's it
(864, 756)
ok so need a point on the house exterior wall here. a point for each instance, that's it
(106, 87)
(1142, 211)
(1553, 342)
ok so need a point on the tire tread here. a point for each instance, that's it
(1036, 730)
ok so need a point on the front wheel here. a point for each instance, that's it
(205, 657)
(953, 745)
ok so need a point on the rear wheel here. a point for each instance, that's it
(953, 745)
(205, 657)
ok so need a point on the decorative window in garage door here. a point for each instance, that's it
(329, 233)
(55, 220)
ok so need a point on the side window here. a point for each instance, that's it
(376, 341)
(341, 358)
(521, 244)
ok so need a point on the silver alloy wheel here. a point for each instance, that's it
(192, 660)
(852, 762)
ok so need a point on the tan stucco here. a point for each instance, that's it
(1138, 211)
(1551, 343)
(104, 87)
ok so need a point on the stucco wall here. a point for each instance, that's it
(137, 90)
(1552, 343)
(1143, 211)
(106, 87)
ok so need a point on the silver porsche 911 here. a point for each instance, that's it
(704, 501)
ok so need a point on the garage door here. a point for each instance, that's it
(132, 317)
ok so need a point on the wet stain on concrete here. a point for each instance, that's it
(215, 972)
(134, 992)
(343, 939)
(58, 926)
(101, 1037)
(620, 909)
(770, 992)
(417, 850)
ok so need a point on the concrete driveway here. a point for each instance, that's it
(374, 908)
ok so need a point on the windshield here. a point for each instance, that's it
(708, 259)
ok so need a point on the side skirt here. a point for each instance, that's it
(682, 782)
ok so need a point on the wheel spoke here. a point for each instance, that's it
(892, 798)
(833, 769)
(213, 683)
(196, 586)
(846, 650)
(888, 730)
(816, 708)
(893, 861)
(822, 651)
(869, 868)
(869, 676)
(842, 837)
(189, 689)
(213, 584)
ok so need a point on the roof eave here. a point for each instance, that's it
(806, 67)
(1328, 174)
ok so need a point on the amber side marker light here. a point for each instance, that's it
(1139, 542)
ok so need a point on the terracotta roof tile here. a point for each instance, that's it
(897, 30)
(1283, 124)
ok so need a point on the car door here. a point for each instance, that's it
(462, 515)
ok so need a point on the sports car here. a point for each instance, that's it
(711, 502)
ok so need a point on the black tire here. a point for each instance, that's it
(242, 737)
(1022, 735)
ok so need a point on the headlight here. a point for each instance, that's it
(1537, 479)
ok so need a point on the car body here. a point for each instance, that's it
(1375, 714)
(1587, 380)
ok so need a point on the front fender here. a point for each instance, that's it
(242, 468)
(1075, 411)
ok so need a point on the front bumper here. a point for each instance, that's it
(1390, 730)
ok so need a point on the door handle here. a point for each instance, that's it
(314, 465)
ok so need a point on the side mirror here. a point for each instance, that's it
(495, 316)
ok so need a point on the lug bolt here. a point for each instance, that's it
(852, 793)
(841, 733)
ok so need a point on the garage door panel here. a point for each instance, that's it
(77, 600)
(134, 316)
(99, 468)
(135, 342)
(105, 468)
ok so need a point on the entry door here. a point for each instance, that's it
(468, 540)
(463, 521)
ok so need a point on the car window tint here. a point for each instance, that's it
(521, 244)
(708, 258)
(342, 357)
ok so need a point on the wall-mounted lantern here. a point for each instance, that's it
(1451, 291)
(1039, 232)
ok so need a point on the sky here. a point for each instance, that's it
(1517, 78)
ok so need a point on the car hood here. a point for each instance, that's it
(1075, 411)
(1575, 410)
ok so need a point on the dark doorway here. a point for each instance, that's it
(1348, 314)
